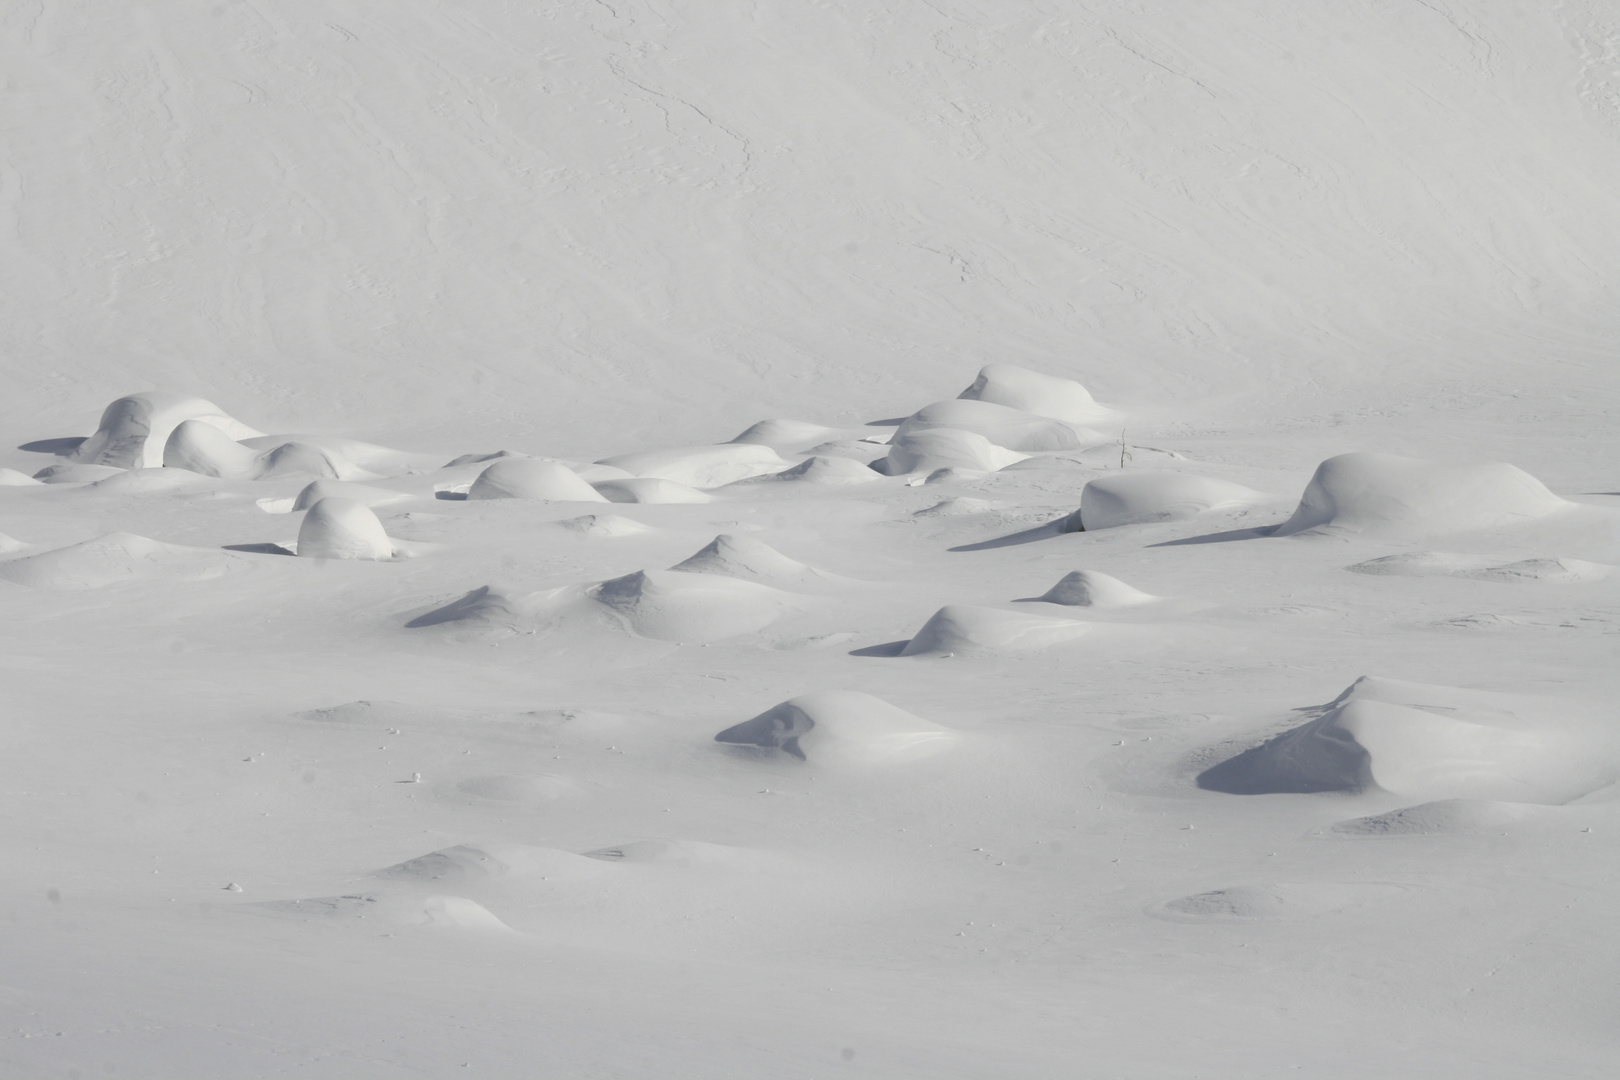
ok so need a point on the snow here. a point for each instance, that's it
(457, 807)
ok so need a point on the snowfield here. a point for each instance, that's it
(1158, 618)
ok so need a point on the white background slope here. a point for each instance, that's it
(1267, 233)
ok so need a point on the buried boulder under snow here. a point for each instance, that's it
(338, 528)
(1030, 391)
(1426, 742)
(840, 726)
(531, 478)
(1384, 493)
(1140, 498)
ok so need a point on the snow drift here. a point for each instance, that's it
(115, 559)
(840, 726)
(928, 449)
(1006, 427)
(1140, 498)
(1090, 588)
(701, 466)
(531, 478)
(1032, 392)
(1379, 493)
(1422, 742)
(959, 629)
(135, 428)
(339, 528)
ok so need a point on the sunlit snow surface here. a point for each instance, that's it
(1111, 569)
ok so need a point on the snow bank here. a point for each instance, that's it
(1006, 427)
(531, 478)
(958, 629)
(941, 448)
(1384, 493)
(135, 428)
(338, 528)
(114, 559)
(1089, 588)
(841, 726)
(1419, 742)
(1030, 391)
(701, 466)
(1140, 498)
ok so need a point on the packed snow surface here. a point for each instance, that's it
(870, 322)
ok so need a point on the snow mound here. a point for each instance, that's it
(749, 560)
(10, 544)
(830, 471)
(468, 862)
(114, 559)
(1437, 564)
(481, 606)
(365, 494)
(958, 629)
(438, 912)
(518, 789)
(339, 528)
(840, 726)
(690, 608)
(1431, 818)
(1244, 903)
(603, 525)
(1010, 428)
(13, 478)
(532, 478)
(1140, 498)
(928, 449)
(76, 474)
(959, 506)
(1032, 392)
(1420, 742)
(786, 434)
(678, 853)
(1377, 493)
(134, 429)
(701, 466)
(1089, 588)
(352, 459)
(199, 447)
(649, 490)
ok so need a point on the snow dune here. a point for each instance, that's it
(840, 727)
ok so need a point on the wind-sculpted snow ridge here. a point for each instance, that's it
(1140, 498)
(1383, 493)
(200, 447)
(77, 474)
(1426, 742)
(115, 559)
(1091, 588)
(840, 726)
(1003, 426)
(927, 449)
(749, 560)
(339, 528)
(151, 482)
(787, 435)
(963, 630)
(532, 478)
(135, 429)
(1032, 392)
(650, 490)
(484, 606)
(1439, 564)
(701, 466)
